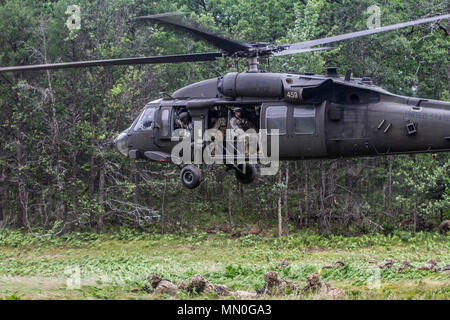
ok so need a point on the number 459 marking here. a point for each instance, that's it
(74, 20)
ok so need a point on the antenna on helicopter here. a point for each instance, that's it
(166, 94)
(218, 73)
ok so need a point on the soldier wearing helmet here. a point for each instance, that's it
(183, 120)
(238, 122)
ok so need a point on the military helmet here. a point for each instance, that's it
(184, 116)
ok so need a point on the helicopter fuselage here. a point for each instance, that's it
(317, 116)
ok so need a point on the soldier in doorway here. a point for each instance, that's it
(238, 122)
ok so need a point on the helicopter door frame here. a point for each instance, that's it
(143, 137)
(164, 127)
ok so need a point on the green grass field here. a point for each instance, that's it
(111, 266)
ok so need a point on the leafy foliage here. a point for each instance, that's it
(59, 174)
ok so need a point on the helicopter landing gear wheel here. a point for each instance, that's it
(190, 177)
(245, 173)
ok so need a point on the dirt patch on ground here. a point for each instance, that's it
(185, 247)
(311, 250)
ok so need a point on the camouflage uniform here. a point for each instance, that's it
(276, 286)
(315, 285)
(183, 121)
(162, 286)
(239, 124)
(221, 125)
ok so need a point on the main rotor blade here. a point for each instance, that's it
(306, 44)
(114, 62)
(295, 51)
(227, 45)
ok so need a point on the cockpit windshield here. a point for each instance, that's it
(146, 120)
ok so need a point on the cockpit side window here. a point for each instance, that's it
(146, 120)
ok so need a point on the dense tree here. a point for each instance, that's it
(58, 172)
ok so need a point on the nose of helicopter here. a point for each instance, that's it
(121, 143)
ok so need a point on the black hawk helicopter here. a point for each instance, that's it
(316, 116)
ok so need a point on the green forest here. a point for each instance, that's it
(67, 197)
(59, 173)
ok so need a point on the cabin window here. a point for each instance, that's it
(146, 120)
(165, 122)
(276, 119)
(305, 119)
